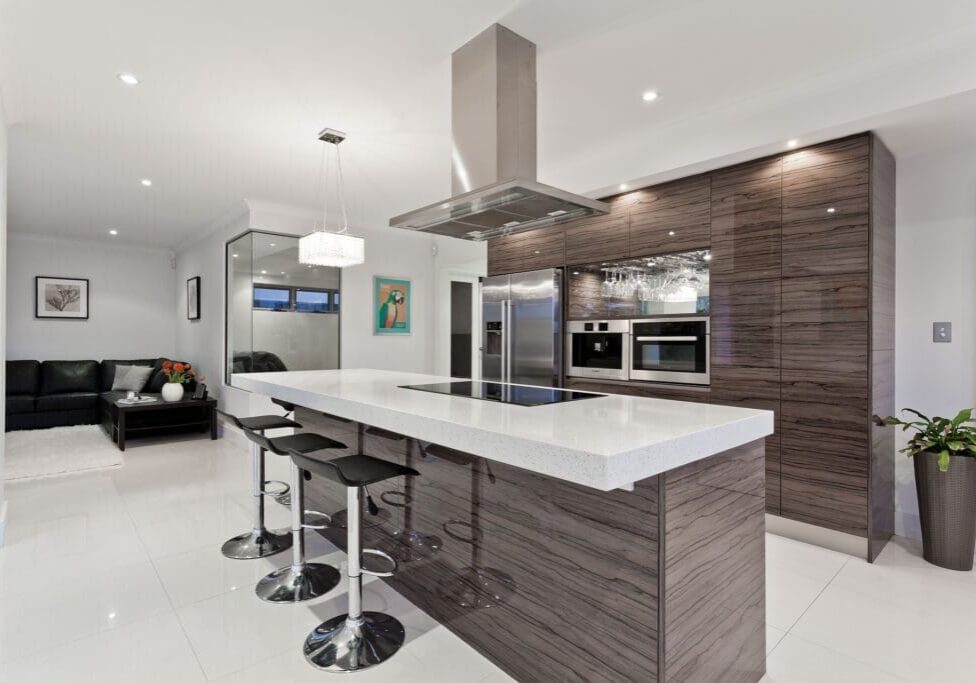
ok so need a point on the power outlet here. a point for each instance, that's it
(942, 333)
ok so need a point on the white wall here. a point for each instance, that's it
(3, 314)
(390, 252)
(936, 281)
(129, 295)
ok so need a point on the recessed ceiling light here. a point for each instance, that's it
(708, 257)
(792, 143)
(831, 210)
(264, 272)
(624, 186)
(671, 233)
(650, 95)
(272, 244)
(113, 232)
(236, 255)
(128, 79)
(282, 272)
(146, 182)
(576, 272)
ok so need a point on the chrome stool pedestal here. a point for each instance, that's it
(356, 640)
(301, 580)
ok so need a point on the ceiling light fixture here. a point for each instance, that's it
(113, 232)
(272, 244)
(236, 255)
(792, 144)
(264, 272)
(671, 233)
(336, 249)
(146, 182)
(128, 79)
(831, 210)
(650, 95)
(623, 186)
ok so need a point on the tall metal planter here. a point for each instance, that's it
(947, 509)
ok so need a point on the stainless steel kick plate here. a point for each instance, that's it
(942, 332)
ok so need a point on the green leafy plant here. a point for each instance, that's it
(939, 435)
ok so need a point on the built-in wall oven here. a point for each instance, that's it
(598, 349)
(670, 350)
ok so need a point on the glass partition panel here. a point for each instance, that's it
(281, 315)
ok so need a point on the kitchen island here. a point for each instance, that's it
(607, 539)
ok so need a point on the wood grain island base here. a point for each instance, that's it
(556, 581)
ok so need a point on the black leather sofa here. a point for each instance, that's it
(55, 393)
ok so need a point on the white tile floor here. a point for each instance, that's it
(116, 576)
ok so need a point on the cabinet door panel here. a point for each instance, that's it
(826, 210)
(532, 250)
(601, 238)
(747, 218)
(584, 298)
(672, 217)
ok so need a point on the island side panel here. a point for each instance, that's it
(574, 568)
(714, 568)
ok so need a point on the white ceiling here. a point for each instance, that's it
(234, 91)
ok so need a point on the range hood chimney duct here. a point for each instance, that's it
(493, 162)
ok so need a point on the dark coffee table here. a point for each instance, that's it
(160, 417)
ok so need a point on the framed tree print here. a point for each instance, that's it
(193, 298)
(60, 297)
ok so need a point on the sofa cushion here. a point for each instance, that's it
(23, 377)
(68, 376)
(20, 403)
(107, 370)
(74, 400)
(131, 377)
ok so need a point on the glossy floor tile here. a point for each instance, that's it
(117, 576)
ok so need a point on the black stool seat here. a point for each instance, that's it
(306, 442)
(385, 434)
(353, 470)
(262, 422)
(289, 407)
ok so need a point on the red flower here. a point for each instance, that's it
(167, 365)
(178, 367)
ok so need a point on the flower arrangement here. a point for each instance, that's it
(178, 373)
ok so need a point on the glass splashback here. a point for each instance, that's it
(281, 315)
(641, 287)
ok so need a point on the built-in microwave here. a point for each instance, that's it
(598, 349)
(670, 350)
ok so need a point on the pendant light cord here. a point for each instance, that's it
(323, 183)
(342, 194)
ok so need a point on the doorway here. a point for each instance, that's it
(462, 323)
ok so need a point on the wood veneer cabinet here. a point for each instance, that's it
(802, 311)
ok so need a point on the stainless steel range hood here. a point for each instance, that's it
(493, 125)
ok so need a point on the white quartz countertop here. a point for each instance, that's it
(605, 443)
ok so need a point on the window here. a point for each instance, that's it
(272, 298)
(314, 301)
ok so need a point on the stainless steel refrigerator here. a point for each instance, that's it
(521, 334)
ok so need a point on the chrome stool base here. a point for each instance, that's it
(291, 584)
(478, 588)
(257, 544)
(342, 644)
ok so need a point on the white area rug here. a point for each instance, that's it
(38, 453)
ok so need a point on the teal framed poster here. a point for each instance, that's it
(391, 305)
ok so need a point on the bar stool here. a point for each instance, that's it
(302, 580)
(357, 640)
(475, 586)
(377, 515)
(259, 541)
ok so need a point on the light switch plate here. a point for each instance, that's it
(942, 332)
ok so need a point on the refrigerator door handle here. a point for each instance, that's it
(506, 337)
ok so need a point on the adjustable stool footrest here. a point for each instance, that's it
(284, 490)
(316, 513)
(386, 556)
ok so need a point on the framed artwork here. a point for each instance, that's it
(60, 297)
(391, 305)
(193, 298)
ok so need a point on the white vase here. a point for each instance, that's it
(172, 391)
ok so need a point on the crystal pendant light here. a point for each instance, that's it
(335, 249)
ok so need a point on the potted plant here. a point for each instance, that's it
(944, 454)
(177, 374)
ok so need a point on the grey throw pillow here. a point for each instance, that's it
(131, 377)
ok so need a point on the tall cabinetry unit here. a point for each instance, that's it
(802, 312)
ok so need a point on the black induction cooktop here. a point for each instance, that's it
(515, 394)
